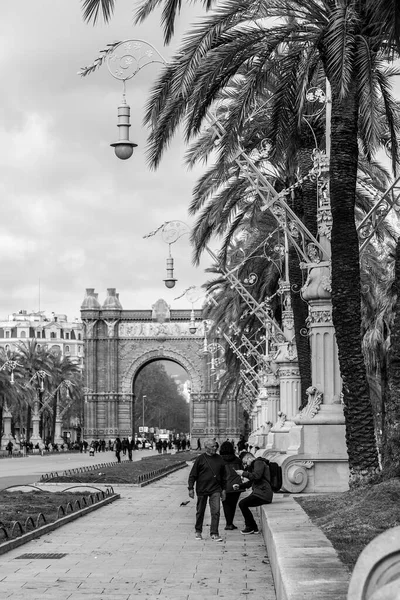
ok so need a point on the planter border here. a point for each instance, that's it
(36, 533)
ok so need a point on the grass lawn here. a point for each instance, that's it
(127, 472)
(350, 520)
(19, 506)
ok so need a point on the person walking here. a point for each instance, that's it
(208, 475)
(9, 448)
(118, 448)
(130, 446)
(230, 500)
(256, 471)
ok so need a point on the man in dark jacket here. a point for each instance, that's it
(232, 462)
(208, 475)
(258, 476)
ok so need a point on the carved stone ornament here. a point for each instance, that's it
(295, 475)
(161, 311)
(89, 327)
(326, 283)
(320, 316)
(288, 372)
(324, 222)
(146, 330)
(288, 320)
(281, 420)
(313, 404)
(111, 327)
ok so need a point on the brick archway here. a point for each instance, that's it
(163, 353)
(118, 343)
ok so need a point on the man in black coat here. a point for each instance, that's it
(208, 475)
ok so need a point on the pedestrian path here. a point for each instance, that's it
(141, 546)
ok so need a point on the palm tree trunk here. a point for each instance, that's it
(391, 415)
(346, 295)
(1, 419)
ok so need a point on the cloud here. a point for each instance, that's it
(74, 216)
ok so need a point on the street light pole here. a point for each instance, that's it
(143, 397)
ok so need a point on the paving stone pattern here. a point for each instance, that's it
(141, 546)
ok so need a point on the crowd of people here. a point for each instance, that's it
(221, 478)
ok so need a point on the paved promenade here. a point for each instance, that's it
(141, 546)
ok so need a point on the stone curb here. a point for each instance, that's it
(304, 563)
(161, 475)
(32, 535)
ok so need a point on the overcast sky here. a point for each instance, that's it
(73, 215)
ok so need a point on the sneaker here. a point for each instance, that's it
(198, 535)
(216, 538)
(249, 530)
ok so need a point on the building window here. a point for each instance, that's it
(52, 335)
(7, 334)
(66, 349)
(79, 348)
(66, 335)
(79, 336)
(38, 334)
(23, 334)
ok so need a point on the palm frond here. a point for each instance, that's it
(92, 9)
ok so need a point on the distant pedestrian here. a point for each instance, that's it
(241, 445)
(198, 444)
(256, 470)
(118, 448)
(130, 444)
(208, 475)
(124, 446)
(9, 448)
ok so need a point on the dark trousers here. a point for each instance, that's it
(245, 505)
(118, 455)
(229, 506)
(215, 502)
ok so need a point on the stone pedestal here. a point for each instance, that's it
(7, 435)
(315, 458)
(35, 437)
(58, 439)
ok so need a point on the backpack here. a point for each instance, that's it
(275, 471)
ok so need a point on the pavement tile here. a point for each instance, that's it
(140, 547)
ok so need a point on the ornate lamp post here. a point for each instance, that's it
(66, 385)
(7, 436)
(38, 378)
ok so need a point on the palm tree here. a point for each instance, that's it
(34, 359)
(349, 42)
(314, 39)
(64, 384)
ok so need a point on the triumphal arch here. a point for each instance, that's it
(119, 343)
